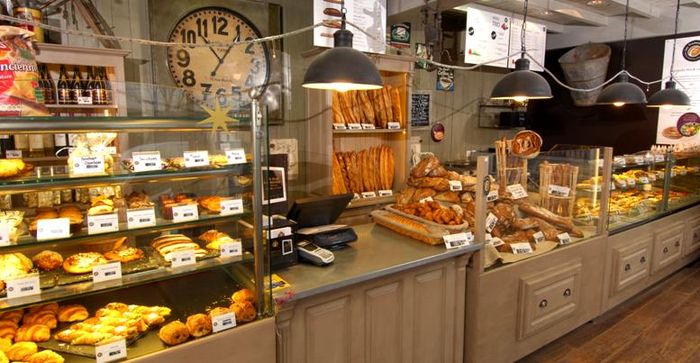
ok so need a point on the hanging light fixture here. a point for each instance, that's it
(522, 84)
(670, 96)
(622, 92)
(342, 68)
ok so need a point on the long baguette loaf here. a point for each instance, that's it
(396, 106)
(387, 104)
(337, 109)
(338, 186)
(545, 214)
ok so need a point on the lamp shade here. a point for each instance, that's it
(621, 93)
(342, 68)
(521, 84)
(669, 97)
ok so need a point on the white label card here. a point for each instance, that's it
(13, 154)
(222, 322)
(619, 160)
(354, 126)
(492, 196)
(386, 193)
(25, 286)
(644, 180)
(88, 165)
(52, 228)
(367, 126)
(231, 206)
(231, 249)
(197, 158)
(457, 240)
(146, 161)
(107, 272)
(495, 242)
(517, 191)
(612, 186)
(337, 126)
(369, 195)
(521, 248)
(639, 159)
(455, 185)
(538, 237)
(659, 158)
(631, 182)
(564, 238)
(491, 221)
(558, 190)
(84, 100)
(235, 156)
(103, 223)
(139, 218)
(426, 200)
(183, 258)
(111, 351)
(4, 234)
(393, 126)
(184, 213)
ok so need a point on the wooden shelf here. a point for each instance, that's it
(370, 131)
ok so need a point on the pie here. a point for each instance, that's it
(83, 262)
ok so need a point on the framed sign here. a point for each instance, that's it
(274, 185)
(420, 108)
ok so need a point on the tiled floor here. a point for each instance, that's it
(660, 325)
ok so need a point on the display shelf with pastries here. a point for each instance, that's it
(684, 179)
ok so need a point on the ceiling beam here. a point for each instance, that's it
(643, 8)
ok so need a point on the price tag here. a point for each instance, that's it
(682, 172)
(354, 127)
(25, 286)
(355, 196)
(222, 322)
(619, 160)
(639, 159)
(184, 213)
(558, 190)
(139, 218)
(84, 100)
(111, 351)
(495, 241)
(521, 248)
(231, 206)
(386, 193)
(564, 238)
(538, 237)
(517, 191)
(88, 165)
(103, 223)
(4, 234)
(235, 156)
(644, 180)
(111, 150)
(367, 126)
(52, 228)
(231, 249)
(612, 186)
(146, 161)
(339, 127)
(631, 182)
(491, 221)
(652, 177)
(492, 196)
(393, 126)
(455, 185)
(369, 195)
(107, 272)
(13, 154)
(426, 200)
(659, 158)
(673, 173)
(183, 258)
(457, 240)
(197, 158)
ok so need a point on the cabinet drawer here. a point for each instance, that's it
(692, 242)
(548, 297)
(631, 264)
(667, 246)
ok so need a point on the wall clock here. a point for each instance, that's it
(226, 74)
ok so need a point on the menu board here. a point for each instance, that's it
(491, 34)
(420, 108)
(370, 15)
(677, 125)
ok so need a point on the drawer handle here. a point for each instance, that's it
(643, 259)
(567, 292)
(665, 250)
(628, 267)
(678, 243)
(543, 303)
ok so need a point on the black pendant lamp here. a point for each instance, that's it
(522, 84)
(671, 96)
(342, 68)
(622, 92)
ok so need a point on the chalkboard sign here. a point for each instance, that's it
(420, 109)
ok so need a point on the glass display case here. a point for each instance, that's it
(684, 185)
(137, 228)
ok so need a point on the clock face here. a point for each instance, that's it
(226, 74)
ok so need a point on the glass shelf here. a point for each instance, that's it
(108, 124)
(162, 225)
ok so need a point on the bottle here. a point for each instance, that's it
(109, 100)
(99, 96)
(60, 144)
(64, 87)
(22, 143)
(48, 144)
(36, 145)
(88, 86)
(6, 143)
(49, 87)
(77, 86)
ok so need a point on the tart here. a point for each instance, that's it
(123, 255)
(83, 262)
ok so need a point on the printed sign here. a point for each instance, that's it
(107, 272)
(146, 161)
(25, 286)
(103, 223)
(139, 218)
(195, 159)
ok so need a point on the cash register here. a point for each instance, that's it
(315, 218)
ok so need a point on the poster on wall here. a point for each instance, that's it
(425, 52)
(369, 15)
(680, 125)
(401, 35)
(535, 43)
(420, 108)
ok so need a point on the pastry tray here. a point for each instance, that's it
(81, 350)
(163, 262)
(453, 229)
(433, 237)
(148, 262)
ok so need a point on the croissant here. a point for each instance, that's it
(199, 325)
(33, 333)
(91, 338)
(12, 315)
(71, 313)
(3, 357)
(174, 333)
(44, 317)
(8, 329)
(45, 356)
(52, 307)
(68, 335)
(21, 351)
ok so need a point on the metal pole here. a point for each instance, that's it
(258, 248)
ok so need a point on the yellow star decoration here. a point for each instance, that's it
(218, 117)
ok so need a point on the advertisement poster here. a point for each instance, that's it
(425, 52)
(445, 79)
(420, 108)
(487, 36)
(535, 42)
(401, 35)
(370, 15)
(680, 125)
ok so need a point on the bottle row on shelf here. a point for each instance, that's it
(92, 87)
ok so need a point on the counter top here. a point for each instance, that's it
(377, 252)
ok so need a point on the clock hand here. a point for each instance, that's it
(210, 48)
(221, 60)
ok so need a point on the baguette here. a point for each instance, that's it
(376, 157)
(337, 110)
(396, 107)
(366, 106)
(391, 168)
(357, 106)
(338, 184)
(387, 104)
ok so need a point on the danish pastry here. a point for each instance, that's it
(83, 262)
(71, 313)
(199, 325)
(3, 357)
(21, 351)
(13, 315)
(33, 333)
(243, 295)
(174, 333)
(45, 356)
(8, 329)
(47, 260)
(5, 344)
(245, 311)
(124, 255)
(218, 311)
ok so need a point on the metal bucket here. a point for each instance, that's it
(586, 67)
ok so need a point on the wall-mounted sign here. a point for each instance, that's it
(420, 108)
(401, 35)
(445, 79)
(370, 15)
(426, 52)
(437, 132)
